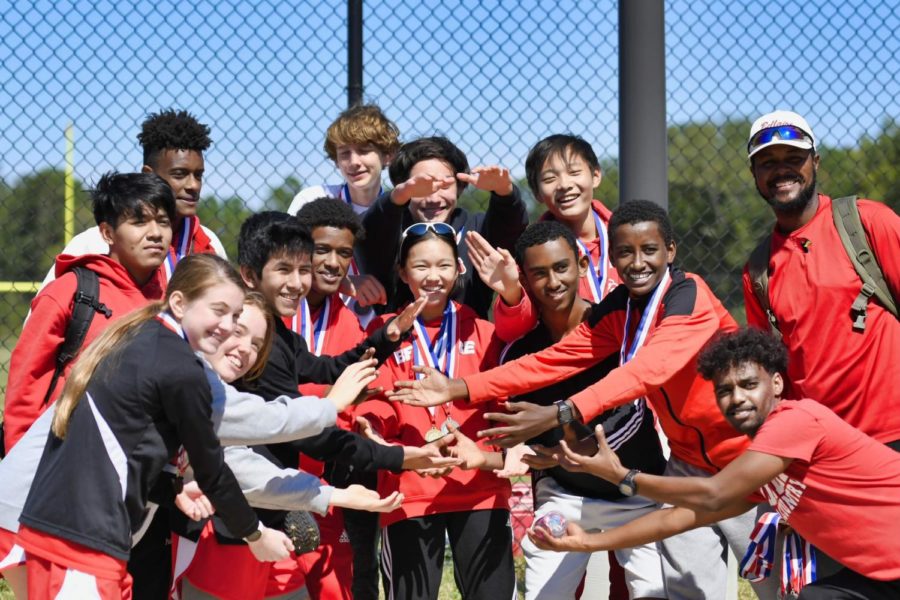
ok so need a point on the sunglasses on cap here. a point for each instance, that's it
(784, 133)
(420, 229)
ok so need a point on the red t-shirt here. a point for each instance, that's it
(460, 490)
(812, 285)
(842, 490)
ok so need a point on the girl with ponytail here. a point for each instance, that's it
(136, 396)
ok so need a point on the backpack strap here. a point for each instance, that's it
(758, 267)
(845, 212)
(85, 302)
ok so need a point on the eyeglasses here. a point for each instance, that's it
(420, 229)
(783, 133)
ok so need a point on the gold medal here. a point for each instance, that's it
(433, 434)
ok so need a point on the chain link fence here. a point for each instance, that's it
(495, 77)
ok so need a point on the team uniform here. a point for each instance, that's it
(471, 507)
(501, 225)
(841, 492)
(589, 501)
(140, 407)
(664, 370)
(515, 321)
(222, 561)
(812, 285)
(194, 239)
(33, 360)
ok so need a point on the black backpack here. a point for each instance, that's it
(85, 303)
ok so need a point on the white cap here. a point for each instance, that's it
(781, 118)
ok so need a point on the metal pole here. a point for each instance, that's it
(354, 52)
(642, 101)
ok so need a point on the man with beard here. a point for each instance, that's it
(813, 284)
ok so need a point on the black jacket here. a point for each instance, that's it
(141, 405)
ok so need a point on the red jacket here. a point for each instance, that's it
(513, 322)
(32, 362)
(812, 285)
(664, 370)
(460, 490)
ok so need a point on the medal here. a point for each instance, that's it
(445, 428)
(433, 434)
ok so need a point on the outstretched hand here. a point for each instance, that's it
(351, 385)
(492, 179)
(496, 267)
(515, 465)
(193, 503)
(524, 421)
(358, 497)
(431, 390)
(403, 322)
(574, 540)
(604, 464)
(419, 186)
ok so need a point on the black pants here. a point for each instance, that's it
(850, 585)
(150, 563)
(362, 529)
(412, 555)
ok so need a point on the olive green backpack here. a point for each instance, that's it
(853, 236)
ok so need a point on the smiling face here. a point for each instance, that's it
(361, 167)
(439, 205)
(284, 280)
(431, 269)
(640, 255)
(139, 242)
(785, 177)
(332, 253)
(183, 171)
(746, 395)
(239, 352)
(209, 319)
(566, 186)
(552, 271)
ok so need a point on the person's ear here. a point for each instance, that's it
(460, 266)
(597, 177)
(583, 265)
(777, 385)
(386, 160)
(107, 232)
(249, 277)
(670, 253)
(177, 305)
(401, 273)
(147, 169)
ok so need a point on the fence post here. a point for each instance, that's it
(642, 101)
(354, 52)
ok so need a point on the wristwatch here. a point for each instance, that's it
(627, 486)
(255, 535)
(564, 414)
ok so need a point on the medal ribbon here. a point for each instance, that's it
(166, 318)
(181, 245)
(443, 353)
(798, 567)
(597, 275)
(647, 319)
(313, 333)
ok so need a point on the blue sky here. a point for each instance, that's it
(495, 77)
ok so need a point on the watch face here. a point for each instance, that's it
(627, 488)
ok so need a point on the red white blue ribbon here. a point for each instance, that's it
(441, 354)
(597, 274)
(312, 332)
(181, 245)
(170, 323)
(798, 567)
